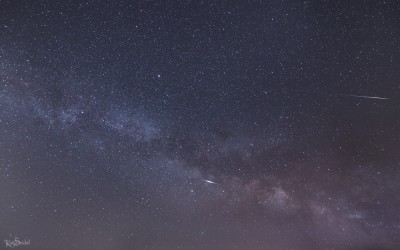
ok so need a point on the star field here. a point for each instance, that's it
(262, 125)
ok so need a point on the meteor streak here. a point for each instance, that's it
(208, 181)
(368, 97)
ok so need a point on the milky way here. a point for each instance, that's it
(262, 125)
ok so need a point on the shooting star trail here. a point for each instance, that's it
(211, 182)
(368, 97)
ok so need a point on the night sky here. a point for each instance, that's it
(200, 125)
